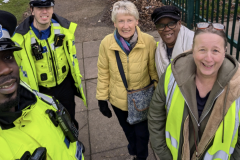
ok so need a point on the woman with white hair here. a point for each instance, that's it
(136, 51)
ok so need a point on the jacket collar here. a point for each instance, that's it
(228, 76)
(186, 82)
(27, 98)
(140, 43)
(24, 27)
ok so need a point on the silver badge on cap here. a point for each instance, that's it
(1, 31)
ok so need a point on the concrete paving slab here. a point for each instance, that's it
(61, 7)
(82, 120)
(79, 103)
(81, 66)
(91, 86)
(91, 49)
(85, 34)
(154, 34)
(115, 154)
(79, 50)
(88, 9)
(72, 15)
(90, 66)
(84, 138)
(85, 13)
(118, 154)
(105, 133)
(79, 8)
(93, 81)
(151, 155)
(87, 157)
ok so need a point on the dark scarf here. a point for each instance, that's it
(125, 45)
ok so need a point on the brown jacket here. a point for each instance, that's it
(212, 115)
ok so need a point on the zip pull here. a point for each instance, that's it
(198, 127)
(196, 155)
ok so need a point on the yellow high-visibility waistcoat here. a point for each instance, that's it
(34, 129)
(56, 63)
(175, 106)
(53, 68)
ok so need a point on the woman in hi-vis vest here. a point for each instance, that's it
(194, 112)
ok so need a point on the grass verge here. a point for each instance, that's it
(16, 7)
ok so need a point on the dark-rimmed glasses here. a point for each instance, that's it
(204, 25)
(171, 25)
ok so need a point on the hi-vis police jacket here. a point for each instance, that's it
(57, 61)
(174, 125)
(30, 127)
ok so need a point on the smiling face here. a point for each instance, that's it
(208, 54)
(9, 81)
(169, 36)
(42, 17)
(125, 25)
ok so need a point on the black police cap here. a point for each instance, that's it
(41, 3)
(8, 23)
(166, 11)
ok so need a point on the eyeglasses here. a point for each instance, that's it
(170, 25)
(204, 25)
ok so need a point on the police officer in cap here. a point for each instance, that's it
(48, 61)
(25, 128)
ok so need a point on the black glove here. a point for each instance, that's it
(103, 106)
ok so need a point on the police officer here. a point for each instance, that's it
(24, 123)
(48, 61)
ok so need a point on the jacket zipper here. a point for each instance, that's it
(198, 157)
(211, 105)
(208, 110)
(54, 70)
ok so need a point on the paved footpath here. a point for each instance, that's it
(102, 137)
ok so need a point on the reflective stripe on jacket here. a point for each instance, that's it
(223, 144)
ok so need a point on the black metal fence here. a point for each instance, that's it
(226, 12)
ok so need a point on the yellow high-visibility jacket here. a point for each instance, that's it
(57, 61)
(34, 129)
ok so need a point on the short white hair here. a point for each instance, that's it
(125, 7)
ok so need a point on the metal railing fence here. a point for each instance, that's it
(226, 12)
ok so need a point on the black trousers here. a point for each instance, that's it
(137, 134)
(64, 93)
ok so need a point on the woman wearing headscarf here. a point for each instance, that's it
(194, 112)
(136, 51)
